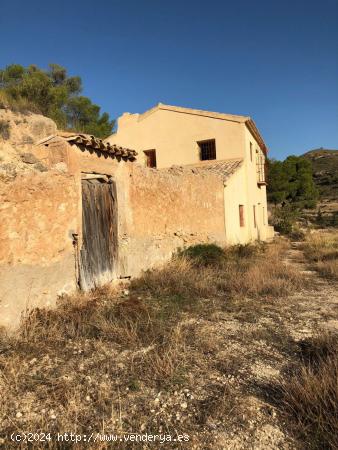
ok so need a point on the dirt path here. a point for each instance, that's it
(258, 346)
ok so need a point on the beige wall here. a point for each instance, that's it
(38, 214)
(158, 212)
(175, 136)
(171, 211)
(256, 194)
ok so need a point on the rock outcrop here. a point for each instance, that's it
(18, 133)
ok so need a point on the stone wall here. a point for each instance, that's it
(38, 211)
(41, 212)
(171, 209)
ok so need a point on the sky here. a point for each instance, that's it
(276, 61)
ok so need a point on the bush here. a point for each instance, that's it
(297, 235)
(246, 250)
(284, 219)
(239, 271)
(310, 396)
(4, 129)
(321, 250)
(203, 254)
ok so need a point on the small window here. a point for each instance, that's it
(207, 149)
(241, 216)
(150, 158)
(250, 151)
(254, 216)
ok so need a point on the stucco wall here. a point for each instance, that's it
(256, 195)
(235, 194)
(175, 136)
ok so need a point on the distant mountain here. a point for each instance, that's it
(325, 172)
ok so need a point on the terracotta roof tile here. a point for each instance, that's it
(225, 168)
(92, 142)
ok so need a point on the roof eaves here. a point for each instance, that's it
(200, 112)
(250, 124)
(91, 142)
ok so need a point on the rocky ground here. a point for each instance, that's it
(222, 394)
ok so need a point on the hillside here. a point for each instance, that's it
(325, 172)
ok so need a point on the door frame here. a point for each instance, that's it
(78, 239)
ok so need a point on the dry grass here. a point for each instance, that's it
(321, 250)
(97, 361)
(257, 271)
(310, 396)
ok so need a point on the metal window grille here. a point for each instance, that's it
(241, 215)
(150, 158)
(260, 167)
(207, 149)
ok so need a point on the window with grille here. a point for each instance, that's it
(150, 158)
(207, 149)
(260, 167)
(241, 216)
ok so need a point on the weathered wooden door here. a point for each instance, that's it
(99, 233)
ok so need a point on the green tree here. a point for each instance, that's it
(292, 181)
(53, 93)
(277, 182)
(83, 115)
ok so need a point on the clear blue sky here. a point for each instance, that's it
(276, 61)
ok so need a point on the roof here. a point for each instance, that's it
(250, 124)
(197, 112)
(224, 168)
(91, 142)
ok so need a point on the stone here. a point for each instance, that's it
(40, 167)
(29, 158)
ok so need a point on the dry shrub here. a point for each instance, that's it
(20, 104)
(128, 322)
(310, 396)
(328, 269)
(254, 271)
(322, 252)
(180, 278)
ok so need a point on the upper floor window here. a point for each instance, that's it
(207, 149)
(250, 151)
(150, 158)
(260, 166)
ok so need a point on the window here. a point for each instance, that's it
(241, 216)
(150, 158)
(207, 149)
(250, 151)
(260, 167)
(254, 216)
